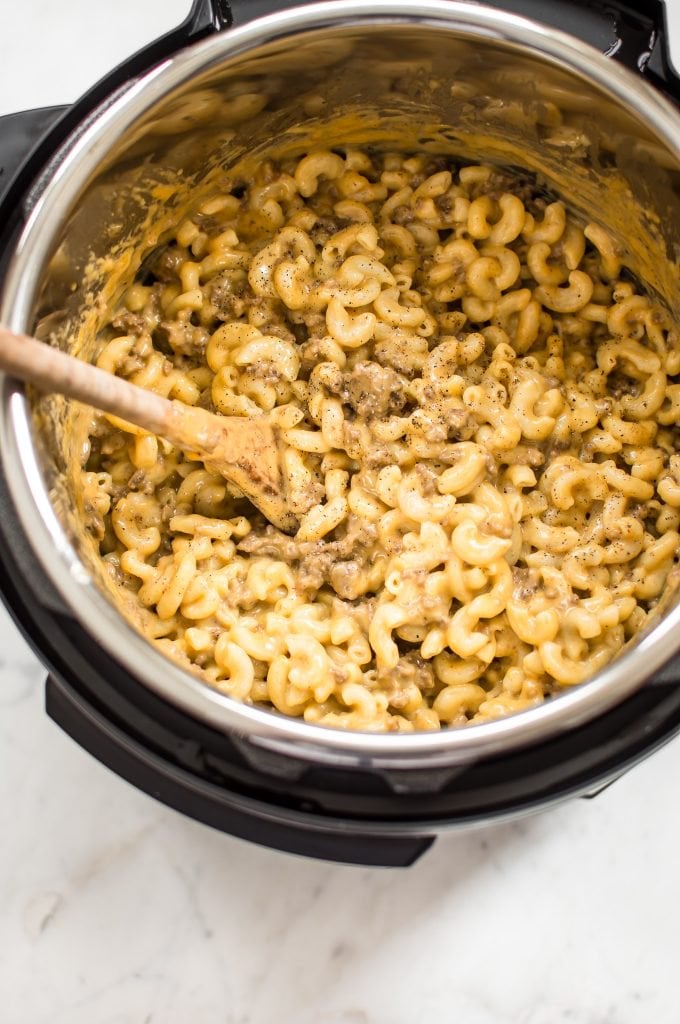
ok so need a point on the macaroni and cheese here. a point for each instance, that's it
(479, 408)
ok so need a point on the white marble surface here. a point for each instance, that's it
(115, 910)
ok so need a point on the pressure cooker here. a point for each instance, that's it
(72, 177)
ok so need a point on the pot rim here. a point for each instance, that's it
(58, 558)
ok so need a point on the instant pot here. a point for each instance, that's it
(357, 798)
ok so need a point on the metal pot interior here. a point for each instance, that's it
(451, 79)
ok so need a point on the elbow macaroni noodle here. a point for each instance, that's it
(480, 413)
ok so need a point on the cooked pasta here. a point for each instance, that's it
(479, 409)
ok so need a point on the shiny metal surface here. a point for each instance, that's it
(447, 77)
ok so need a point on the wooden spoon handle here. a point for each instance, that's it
(50, 370)
(243, 451)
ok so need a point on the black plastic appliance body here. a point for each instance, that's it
(352, 815)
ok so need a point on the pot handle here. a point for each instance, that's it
(204, 17)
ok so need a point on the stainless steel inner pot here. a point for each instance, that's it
(444, 77)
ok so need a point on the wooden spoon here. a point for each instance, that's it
(243, 450)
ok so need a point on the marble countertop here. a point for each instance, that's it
(116, 910)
